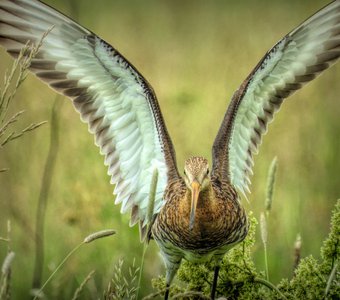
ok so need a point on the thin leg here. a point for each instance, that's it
(172, 264)
(213, 289)
(166, 296)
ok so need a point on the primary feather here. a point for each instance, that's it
(118, 104)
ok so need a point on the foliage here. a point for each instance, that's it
(311, 277)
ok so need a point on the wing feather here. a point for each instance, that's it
(118, 104)
(295, 60)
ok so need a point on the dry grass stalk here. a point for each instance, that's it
(20, 66)
(82, 285)
(13, 79)
(13, 135)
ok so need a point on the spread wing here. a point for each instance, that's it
(295, 60)
(118, 104)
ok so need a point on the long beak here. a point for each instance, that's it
(195, 191)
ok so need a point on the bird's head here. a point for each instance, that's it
(196, 176)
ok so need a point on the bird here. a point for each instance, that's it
(198, 215)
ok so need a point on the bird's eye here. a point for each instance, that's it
(207, 171)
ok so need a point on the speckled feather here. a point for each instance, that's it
(219, 217)
(221, 222)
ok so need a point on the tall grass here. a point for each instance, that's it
(44, 194)
(12, 80)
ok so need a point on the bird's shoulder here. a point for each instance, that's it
(174, 190)
(223, 189)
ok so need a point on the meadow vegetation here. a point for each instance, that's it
(195, 54)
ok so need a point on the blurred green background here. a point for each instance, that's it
(195, 54)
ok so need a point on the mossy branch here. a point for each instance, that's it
(331, 278)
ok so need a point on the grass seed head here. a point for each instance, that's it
(263, 226)
(270, 184)
(98, 235)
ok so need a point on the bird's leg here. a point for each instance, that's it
(166, 296)
(172, 264)
(214, 284)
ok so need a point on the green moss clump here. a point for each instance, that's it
(312, 277)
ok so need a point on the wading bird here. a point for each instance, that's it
(199, 216)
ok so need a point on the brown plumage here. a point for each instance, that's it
(197, 217)
(219, 219)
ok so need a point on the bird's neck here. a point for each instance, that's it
(205, 199)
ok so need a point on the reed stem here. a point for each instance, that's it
(44, 194)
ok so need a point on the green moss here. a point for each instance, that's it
(311, 277)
